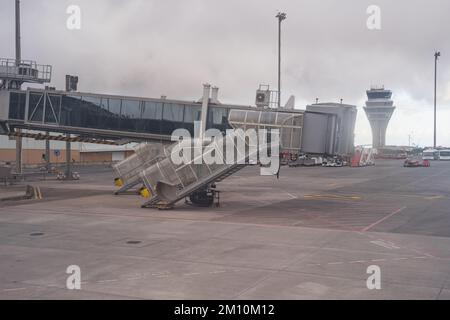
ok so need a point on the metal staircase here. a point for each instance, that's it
(231, 172)
(177, 183)
(167, 180)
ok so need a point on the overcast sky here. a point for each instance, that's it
(149, 48)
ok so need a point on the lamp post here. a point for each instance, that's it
(437, 54)
(280, 16)
(18, 49)
(18, 85)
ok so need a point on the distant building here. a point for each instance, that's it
(394, 152)
(379, 109)
(92, 153)
(34, 151)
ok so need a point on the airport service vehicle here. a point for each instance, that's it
(430, 154)
(444, 155)
(363, 157)
(334, 162)
(415, 163)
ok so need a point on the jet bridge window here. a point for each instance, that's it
(131, 109)
(173, 112)
(191, 113)
(70, 111)
(151, 117)
(152, 110)
(218, 118)
(112, 118)
(52, 108)
(91, 111)
(172, 117)
(36, 107)
(131, 115)
(17, 105)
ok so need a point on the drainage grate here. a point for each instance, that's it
(35, 234)
(134, 242)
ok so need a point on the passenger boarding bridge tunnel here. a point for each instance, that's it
(122, 119)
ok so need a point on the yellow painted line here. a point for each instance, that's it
(37, 193)
(332, 184)
(434, 197)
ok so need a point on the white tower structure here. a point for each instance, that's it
(379, 109)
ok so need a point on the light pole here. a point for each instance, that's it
(18, 85)
(18, 49)
(281, 16)
(437, 54)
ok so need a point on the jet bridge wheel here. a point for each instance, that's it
(205, 197)
(202, 198)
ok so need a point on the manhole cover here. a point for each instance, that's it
(133, 242)
(36, 234)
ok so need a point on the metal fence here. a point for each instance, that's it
(25, 70)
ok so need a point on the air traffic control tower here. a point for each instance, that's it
(379, 109)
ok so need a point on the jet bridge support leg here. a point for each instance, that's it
(47, 154)
(68, 159)
(19, 154)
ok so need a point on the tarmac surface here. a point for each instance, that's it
(312, 234)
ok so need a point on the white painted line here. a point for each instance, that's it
(14, 289)
(385, 244)
(378, 260)
(134, 278)
(109, 280)
(358, 261)
(340, 262)
(291, 195)
(159, 274)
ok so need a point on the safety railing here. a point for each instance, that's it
(25, 70)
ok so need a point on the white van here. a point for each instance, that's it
(430, 154)
(444, 155)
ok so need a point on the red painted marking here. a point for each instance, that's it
(382, 219)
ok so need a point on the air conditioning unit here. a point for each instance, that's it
(71, 83)
(262, 98)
